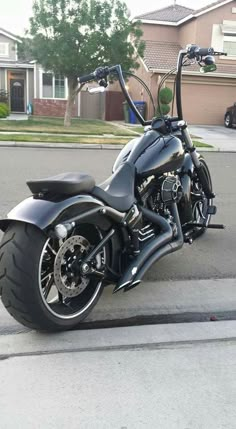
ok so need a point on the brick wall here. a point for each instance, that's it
(48, 107)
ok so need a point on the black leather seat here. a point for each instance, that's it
(118, 190)
(63, 184)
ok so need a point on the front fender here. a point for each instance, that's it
(185, 204)
(42, 212)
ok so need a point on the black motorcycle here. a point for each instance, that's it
(71, 238)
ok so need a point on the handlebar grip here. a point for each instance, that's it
(205, 51)
(87, 78)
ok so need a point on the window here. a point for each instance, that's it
(59, 86)
(53, 86)
(230, 45)
(4, 49)
(229, 32)
(47, 85)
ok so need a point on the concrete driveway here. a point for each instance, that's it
(223, 139)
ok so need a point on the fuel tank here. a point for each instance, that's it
(153, 154)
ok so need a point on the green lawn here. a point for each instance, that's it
(56, 126)
(63, 139)
(72, 139)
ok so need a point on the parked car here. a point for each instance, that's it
(230, 116)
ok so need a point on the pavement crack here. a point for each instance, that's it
(130, 347)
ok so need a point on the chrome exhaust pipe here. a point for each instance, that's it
(155, 244)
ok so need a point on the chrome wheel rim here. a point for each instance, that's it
(59, 305)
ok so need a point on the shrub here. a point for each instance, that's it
(4, 110)
(4, 96)
(166, 95)
(165, 108)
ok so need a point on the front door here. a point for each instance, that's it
(17, 95)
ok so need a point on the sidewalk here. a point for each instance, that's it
(165, 375)
(223, 139)
(168, 377)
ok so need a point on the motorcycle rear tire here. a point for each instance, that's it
(20, 254)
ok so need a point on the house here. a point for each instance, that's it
(27, 84)
(166, 31)
(16, 78)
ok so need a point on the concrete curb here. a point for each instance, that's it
(155, 302)
(159, 336)
(60, 145)
(88, 146)
(166, 297)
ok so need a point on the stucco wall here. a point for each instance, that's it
(187, 33)
(206, 21)
(137, 92)
(160, 33)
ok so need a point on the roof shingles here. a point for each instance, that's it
(162, 56)
(176, 13)
(169, 14)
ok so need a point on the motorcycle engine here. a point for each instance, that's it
(157, 194)
(160, 192)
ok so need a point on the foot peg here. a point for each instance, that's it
(215, 226)
(211, 210)
(211, 226)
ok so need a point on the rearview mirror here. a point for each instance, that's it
(208, 68)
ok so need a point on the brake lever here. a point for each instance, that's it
(220, 53)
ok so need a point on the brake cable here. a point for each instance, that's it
(144, 85)
(160, 87)
(164, 78)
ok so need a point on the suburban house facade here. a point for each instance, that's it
(33, 90)
(16, 78)
(27, 84)
(166, 31)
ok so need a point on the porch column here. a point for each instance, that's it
(27, 88)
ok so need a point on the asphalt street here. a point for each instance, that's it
(168, 376)
(212, 256)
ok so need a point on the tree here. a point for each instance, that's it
(74, 37)
(25, 49)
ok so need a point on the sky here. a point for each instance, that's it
(15, 13)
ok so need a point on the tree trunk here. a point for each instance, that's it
(73, 88)
(68, 112)
(70, 102)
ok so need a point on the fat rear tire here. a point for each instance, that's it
(20, 253)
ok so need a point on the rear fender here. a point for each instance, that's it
(44, 213)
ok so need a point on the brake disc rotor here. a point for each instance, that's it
(66, 274)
